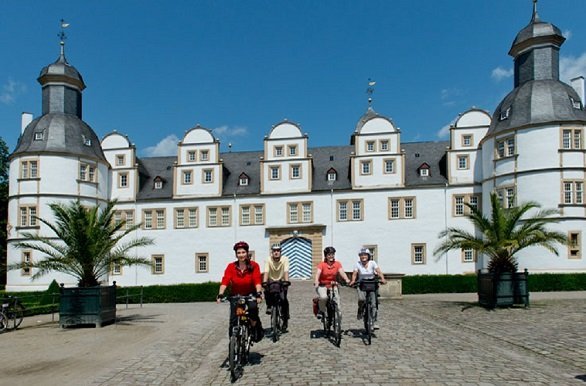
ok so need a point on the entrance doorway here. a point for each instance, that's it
(298, 250)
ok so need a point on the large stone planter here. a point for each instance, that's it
(393, 289)
(92, 305)
(505, 290)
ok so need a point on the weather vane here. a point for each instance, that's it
(370, 91)
(62, 36)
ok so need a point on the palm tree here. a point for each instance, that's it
(90, 244)
(504, 234)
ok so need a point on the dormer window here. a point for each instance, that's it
(158, 183)
(86, 141)
(576, 104)
(505, 114)
(39, 135)
(332, 175)
(424, 170)
(243, 180)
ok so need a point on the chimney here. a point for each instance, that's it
(578, 85)
(28, 118)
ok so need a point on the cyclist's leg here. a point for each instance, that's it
(322, 293)
(285, 304)
(258, 332)
(374, 302)
(361, 299)
(232, 316)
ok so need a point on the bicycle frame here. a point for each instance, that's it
(369, 286)
(241, 339)
(274, 291)
(333, 317)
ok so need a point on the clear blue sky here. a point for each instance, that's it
(154, 69)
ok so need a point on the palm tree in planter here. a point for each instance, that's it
(500, 237)
(90, 242)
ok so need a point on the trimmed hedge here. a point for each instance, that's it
(177, 293)
(539, 282)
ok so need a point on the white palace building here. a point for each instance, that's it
(378, 192)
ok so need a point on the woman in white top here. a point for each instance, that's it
(365, 268)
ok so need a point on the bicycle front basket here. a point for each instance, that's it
(368, 285)
(274, 287)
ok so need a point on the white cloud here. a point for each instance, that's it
(450, 95)
(167, 146)
(500, 73)
(227, 132)
(444, 132)
(10, 90)
(571, 67)
(567, 34)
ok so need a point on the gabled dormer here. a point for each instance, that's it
(331, 175)
(158, 183)
(377, 160)
(198, 170)
(286, 166)
(464, 164)
(121, 154)
(243, 179)
(424, 170)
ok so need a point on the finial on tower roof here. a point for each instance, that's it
(370, 91)
(535, 16)
(62, 37)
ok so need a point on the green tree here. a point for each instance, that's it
(504, 234)
(90, 243)
(3, 206)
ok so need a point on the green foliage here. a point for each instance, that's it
(504, 233)
(547, 282)
(48, 297)
(178, 293)
(90, 243)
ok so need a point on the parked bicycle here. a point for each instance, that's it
(332, 320)
(370, 308)
(13, 312)
(241, 338)
(274, 295)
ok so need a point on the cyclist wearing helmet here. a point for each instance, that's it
(327, 272)
(277, 268)
(244, 279)
(365, 268)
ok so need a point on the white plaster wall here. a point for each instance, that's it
(197, 187)
(270, 149)
(114, 141)
(198, 135)
(378, 125)
(285, 130)
(535, 151)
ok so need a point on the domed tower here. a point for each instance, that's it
(533, 150)
(58, 158)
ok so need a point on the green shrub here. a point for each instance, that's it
(49, 297)
(176, 293)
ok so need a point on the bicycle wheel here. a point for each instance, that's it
(3, 322)
(275, 325)
(16, 314)
(337, 325)
(245, 340)
(233, 353)
(367, 322)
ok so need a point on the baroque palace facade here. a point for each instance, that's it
(392, 197)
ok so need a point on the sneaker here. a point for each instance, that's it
(284, 326)
(269, 310)
(320, 315)
(376, 327)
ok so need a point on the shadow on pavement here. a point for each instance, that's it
(128, 319)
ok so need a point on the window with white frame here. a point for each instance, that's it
(573, 192)
(154, 219)
(459, 202)
(331, 175)
(124, 215)
(384, 145)
(505, 147)
(187, 177)
(572, 139)
(295, 171)
(252, 214)
(468, 255)
(401, 208)
(28, 216)
(463, 161)
(243, 181)
(39, 135)
(186, 218)
(300, 212)
(350, 210)
(225, 216)
(201, 262)
(418, 254)
(370, 146)
(575, 244)
(507, 196)
(278, 151)
(208, 176)
(29, 169)
(120, 159)
(365, 167)
(116, 269)
(87, 172)
(158, 184)
(122, 180)
(26, 259)
(424, 172)
(191, 156)
(219, 216)
(466, 140)
(160, 218)
(389, 165)
(147, 219)
(158, 264)
(204, 155)
(275, 172)
(292, 150)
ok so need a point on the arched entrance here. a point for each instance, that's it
(298, 250)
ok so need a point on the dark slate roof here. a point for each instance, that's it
(63, 134)
(537, 102)
(324, 158)
(62, 68)
(431, 153)
(538, 30)
(148, 170)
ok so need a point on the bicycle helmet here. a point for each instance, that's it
(241, 245)
(365, 251)
(276, 246)
(328, 250)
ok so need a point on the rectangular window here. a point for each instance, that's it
(158, 262)
(160, 218)
(252, 214)
(573, 192)
(401, 207)
(26, 259)
(243, 181)
(275, 172)
(39, 135)
(466, 140)
(370, 146)
(365, 167)
(187, 177)
(459, 203)
(574, 245)
(332, 176)
(191, 156)
(571, 139)
(293, 213)
(507, 196)
(244, 215)
(295, 171)
(154, 218)
(147, 219)
(292, 150)
(120, 160)
(179, 218)
(219, 216)
(384, 145)
(306, 211)
(350, 210)
(463, 162)
(278, 151)
(87, 172)
(468, 255)
(342, 211)
(389, 165)
(418, 253)
(117, 217)
(259, 217)
(192, 217)
(303, 208)
(29, 169)
(125, 215)
(116, 269)
(28, 216)
(204, 155)
(123, 180)
(201, 262)
(208, 176)
(505, 147)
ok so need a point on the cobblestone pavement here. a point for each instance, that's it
(430, 340)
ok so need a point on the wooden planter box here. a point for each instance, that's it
(92, 305)
(506, 290)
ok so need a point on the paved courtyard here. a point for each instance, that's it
(424, 339)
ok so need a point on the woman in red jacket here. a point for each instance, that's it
(244, 279)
